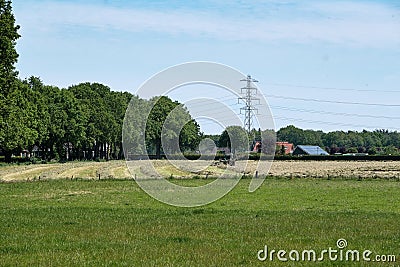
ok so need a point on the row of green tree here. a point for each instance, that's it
(85, 122)
(382, 142)
(82, 121)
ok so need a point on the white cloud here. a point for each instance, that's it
(359, 24)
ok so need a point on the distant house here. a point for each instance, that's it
(288, 147)
(309, 150)
(257, 146)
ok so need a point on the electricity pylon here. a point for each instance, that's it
(248, 98)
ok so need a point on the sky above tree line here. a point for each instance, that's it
(326, 65)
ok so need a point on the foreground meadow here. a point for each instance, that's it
(114, 223)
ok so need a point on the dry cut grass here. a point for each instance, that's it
(190, 169)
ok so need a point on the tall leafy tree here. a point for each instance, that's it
(117, 103)
(134, 127)
(8, 54)
(13, 131)
(292, 134)
(104, 111)
(100, 124)
(169, 120)
(41, 115)
(268, 142)
(235, 138)
(161, 107)
(190, 136)
(19, 123)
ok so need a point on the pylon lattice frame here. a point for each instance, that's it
(248, 98)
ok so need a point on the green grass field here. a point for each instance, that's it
(114, 223)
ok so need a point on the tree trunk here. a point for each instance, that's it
(121, 152)
(158, 149)
(8, 155)
(96, 151)
(107, 151)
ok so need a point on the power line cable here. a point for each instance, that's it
(334, 113)
(208, 108)
(332, 123)
(283, 118)
(334, 88)
(205, 98)
(321, 122)
(313, 121)
(333, 101)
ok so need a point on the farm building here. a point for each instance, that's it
(288, 147)
(309, 150)
(256, 146)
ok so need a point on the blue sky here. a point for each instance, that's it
(340, 51)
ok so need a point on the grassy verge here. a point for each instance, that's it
(99, 223)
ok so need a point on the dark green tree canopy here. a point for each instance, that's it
(16, 122)
(235, 138)
(8, 54)
(170, 121)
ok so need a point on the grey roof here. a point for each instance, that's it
(313, 150)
